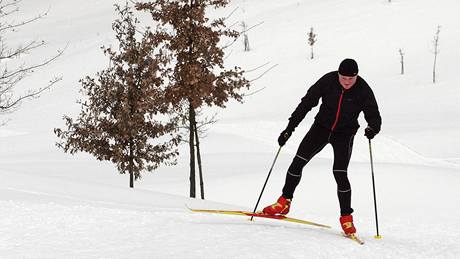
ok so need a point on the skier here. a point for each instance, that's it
(344, 95)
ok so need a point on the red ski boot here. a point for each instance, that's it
(281, 207)
(347, 224)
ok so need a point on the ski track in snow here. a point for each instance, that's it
(50, 230)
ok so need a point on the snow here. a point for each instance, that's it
(55, 205)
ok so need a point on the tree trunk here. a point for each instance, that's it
(131, 178)
(198, 156)
(402, 65)
(436, 51)
(131, 162)
(192, 122)
(246, 43)
(191, 117)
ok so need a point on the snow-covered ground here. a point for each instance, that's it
(54, 205)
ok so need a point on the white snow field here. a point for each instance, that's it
(55, 205)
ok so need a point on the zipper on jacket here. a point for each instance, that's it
(338, 111)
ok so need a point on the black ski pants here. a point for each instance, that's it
(313, 142)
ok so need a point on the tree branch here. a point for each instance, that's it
(240, 33)
(254, 69)
(6, 26)
(8, 104)
(24, 70)
(266, 71)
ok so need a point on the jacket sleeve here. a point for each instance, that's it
(371, 111)
(310, 100)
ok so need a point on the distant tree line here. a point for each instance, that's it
(312, 40)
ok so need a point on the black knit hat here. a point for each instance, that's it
(348, 67)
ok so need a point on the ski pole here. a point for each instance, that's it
(268, 176)
(378, 236)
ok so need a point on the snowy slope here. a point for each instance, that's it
(59, 206)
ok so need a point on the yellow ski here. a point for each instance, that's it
(354, 238)
(261, 215)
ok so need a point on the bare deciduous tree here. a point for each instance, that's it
(13, 66)
(401, 55)
(311, 41)
(245, 37)
(436, 51)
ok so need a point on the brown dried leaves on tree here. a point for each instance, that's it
(125, 118)
(199, 75)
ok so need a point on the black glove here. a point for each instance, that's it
(369, 132)
(284, 136)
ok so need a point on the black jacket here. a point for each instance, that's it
(340, 108)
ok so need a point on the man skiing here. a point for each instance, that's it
(343, 96)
